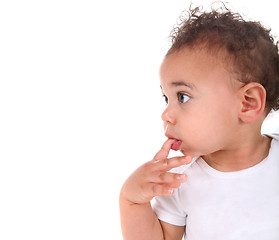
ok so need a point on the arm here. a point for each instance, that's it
(138, 221)
(172, 232)
(145, 224)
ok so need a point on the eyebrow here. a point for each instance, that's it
(180, 83)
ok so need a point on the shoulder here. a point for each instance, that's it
(274, 148)
(274, 136)
(270, 125)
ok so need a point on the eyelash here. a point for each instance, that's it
(165, 98)
(179, 95)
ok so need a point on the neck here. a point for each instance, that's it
(244, 155)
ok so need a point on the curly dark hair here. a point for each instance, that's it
(248, 46)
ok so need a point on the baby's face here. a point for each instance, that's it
(202, 102)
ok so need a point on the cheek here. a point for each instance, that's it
(218, 109)
(202, 127)
(191, 125)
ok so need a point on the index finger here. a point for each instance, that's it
(165, 150)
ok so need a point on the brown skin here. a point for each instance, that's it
(214, 116)
(151, 179)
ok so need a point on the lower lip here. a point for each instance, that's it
(176, 145)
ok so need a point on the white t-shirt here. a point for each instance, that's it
(226, 205)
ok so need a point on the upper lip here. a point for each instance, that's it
(170, 136)
(167, 133)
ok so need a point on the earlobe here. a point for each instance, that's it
(252, 97)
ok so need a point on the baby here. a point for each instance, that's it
(220, 79)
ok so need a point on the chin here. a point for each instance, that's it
(185, 153)
(191, 153)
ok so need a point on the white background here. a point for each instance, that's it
(80, 108)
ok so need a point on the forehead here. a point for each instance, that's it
(197, 67)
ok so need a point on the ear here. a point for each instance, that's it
(252, 96)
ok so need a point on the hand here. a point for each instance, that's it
(153, 179)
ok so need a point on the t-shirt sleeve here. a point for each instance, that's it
(168, 209)
(270, 126)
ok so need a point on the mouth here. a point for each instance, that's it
(176, 145)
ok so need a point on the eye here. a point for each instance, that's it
(166, 99)
(182, 97)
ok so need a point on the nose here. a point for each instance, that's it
(168, 115)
